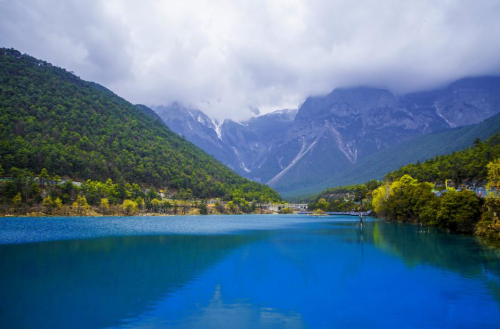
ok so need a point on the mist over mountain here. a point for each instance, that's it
(228, 57)
(293, 149)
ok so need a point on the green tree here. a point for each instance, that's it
(429, 212)
(34, 191)
(459, 211)
(489, 225)
(129, 207)
(379, 196)
(203, 208)
(80, 205)
(48, 204)
(58, 203)
(140, 203)
(17, 200)
(155, 204)
(322, 204)
(56, 179)
(493, 174)
(10, 189)
(231, 206)
(43, 177)
(104, 206)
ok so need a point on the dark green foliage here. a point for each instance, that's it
(203, 208)
(461, 167)
(489, 225)
(50, 118)
(459, 211)
(342, 198)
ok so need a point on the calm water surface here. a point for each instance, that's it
(253, 271)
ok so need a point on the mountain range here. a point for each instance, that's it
(328, 137)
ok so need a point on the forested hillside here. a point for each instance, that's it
(466, 166)
(50, 118)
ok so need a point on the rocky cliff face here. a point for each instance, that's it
(242, 146)
(464, 102)
(290, 149)
(201, 130)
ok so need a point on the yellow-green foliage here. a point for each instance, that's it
(401, 184)
(140, 202)
(104, 205)
(58, 203)
(81, 205)
(129, 207)
(155, 203)
(379, 196)
(493, 174)
(51, 204)
(489, 225)
(322, 204)
(231, 206)
(286, 211)
(47, 202)
(16, 201)
(408, 200)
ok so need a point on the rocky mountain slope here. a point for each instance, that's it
(418, 149)
(292, 150)
(242, 146)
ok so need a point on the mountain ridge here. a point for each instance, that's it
(329, 133)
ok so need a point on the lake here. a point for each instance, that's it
(247, 271)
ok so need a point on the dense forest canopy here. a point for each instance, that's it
(467, 167)
(343, 198)
(50, 118)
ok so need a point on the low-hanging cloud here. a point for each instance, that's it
(227, 57)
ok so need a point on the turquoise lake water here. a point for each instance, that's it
(252, 271)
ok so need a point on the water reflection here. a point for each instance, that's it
(324, 276)
(464, 255)
(95, 283)
(312, 274)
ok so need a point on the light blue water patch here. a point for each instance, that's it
(246, 272)
(37, 229)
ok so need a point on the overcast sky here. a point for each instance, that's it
(227, 56)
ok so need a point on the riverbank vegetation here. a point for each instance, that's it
(463, 211)
(441, 192)
(344, 198)
(45, 195)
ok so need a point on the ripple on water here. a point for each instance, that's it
(38, 229)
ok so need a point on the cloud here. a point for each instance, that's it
(228, 57)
